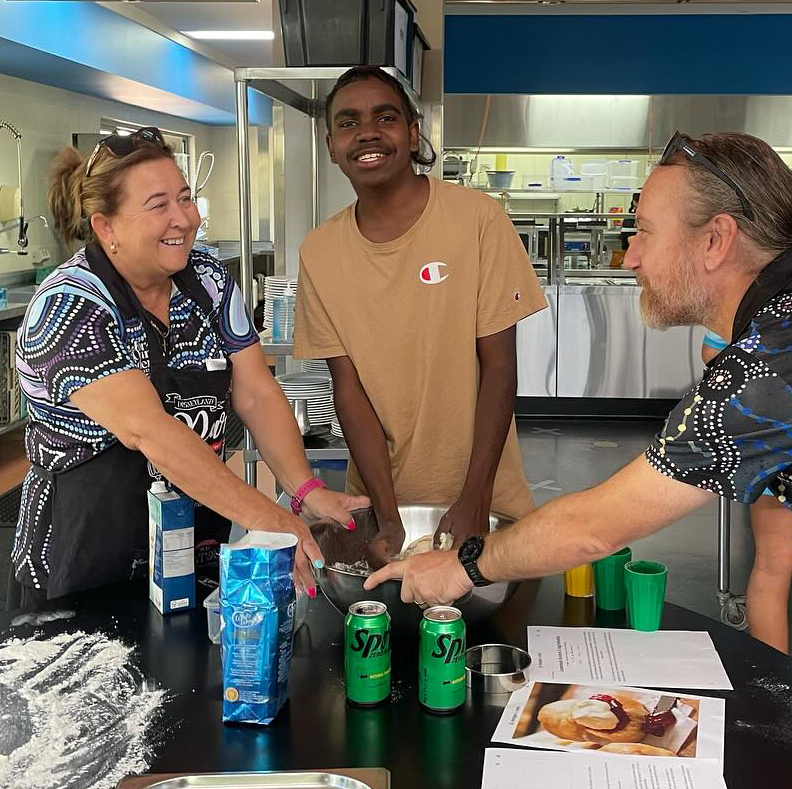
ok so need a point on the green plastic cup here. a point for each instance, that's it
(646, 586)
(609, 580)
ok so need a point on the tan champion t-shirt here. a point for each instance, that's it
(407, 313)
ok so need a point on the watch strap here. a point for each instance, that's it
(468, 554)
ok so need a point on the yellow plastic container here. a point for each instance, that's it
(579, 581)
(500, 162)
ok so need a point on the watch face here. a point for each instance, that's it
(471, 549)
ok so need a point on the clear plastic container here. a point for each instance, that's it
(621, 168)
(531, 182)
(627, 182)
(560, 168)
(212, 606)
(596, 167)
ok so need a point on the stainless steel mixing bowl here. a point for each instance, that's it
(342, 587)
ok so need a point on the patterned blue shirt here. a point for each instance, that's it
(73, 334)
(732, 434)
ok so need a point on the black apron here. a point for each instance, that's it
(100, 508)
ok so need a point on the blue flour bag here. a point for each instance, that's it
(257, 602)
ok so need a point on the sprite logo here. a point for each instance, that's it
(370, 644)
(447, 648)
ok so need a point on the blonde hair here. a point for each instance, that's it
(73, 199)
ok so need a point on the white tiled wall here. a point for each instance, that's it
(47, 117)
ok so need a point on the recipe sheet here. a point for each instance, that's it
(603, 656)
(618, 721)
(508, 768)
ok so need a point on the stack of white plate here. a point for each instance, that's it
(335, 428)
(316, 366)
(275, 286)
(317, 390)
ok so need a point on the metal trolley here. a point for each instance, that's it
(732, 606)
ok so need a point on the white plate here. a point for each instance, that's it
(304, 379)
(314, 394)
(318, 366)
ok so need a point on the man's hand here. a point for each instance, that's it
(387, 543)
(434, 578)
(464, 519)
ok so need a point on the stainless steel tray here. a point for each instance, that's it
(372, 779)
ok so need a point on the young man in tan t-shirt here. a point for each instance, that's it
(412, 294)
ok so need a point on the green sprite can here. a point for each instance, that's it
(367, 653)
(441, 659)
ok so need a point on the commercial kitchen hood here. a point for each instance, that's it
(602, 122)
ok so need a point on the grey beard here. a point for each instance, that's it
(689, 305)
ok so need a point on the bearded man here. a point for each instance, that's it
(713, 247)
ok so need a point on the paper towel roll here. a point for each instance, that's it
(10, 198)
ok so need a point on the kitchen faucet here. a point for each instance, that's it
(22, 239)
(23, 251)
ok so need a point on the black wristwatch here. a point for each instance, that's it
(468, 553)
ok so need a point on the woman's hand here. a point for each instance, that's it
(306, 556)
(321, 504)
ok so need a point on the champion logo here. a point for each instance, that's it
(433, 273)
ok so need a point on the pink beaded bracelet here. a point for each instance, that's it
(299, 495)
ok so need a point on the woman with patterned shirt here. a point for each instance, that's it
(130, 355)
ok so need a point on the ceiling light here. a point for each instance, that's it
(230, 35)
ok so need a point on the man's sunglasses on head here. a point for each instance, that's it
(681, 143)
(121, 145)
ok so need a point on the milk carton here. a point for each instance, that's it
(171, 549)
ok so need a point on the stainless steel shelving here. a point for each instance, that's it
(12, 311)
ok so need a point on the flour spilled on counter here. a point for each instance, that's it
(36, 619)
(73, 713)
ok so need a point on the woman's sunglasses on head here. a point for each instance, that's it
(121, 145)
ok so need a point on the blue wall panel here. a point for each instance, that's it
(705, 54)
(90, 49)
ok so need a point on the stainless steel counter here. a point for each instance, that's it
(606, 350)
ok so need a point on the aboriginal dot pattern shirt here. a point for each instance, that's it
(73, 334)
(732, 434)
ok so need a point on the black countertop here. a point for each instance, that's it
(318, 729)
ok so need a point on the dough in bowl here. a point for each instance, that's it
(426, 544)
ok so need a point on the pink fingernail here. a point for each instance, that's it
(351, 526)
(312, 592)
